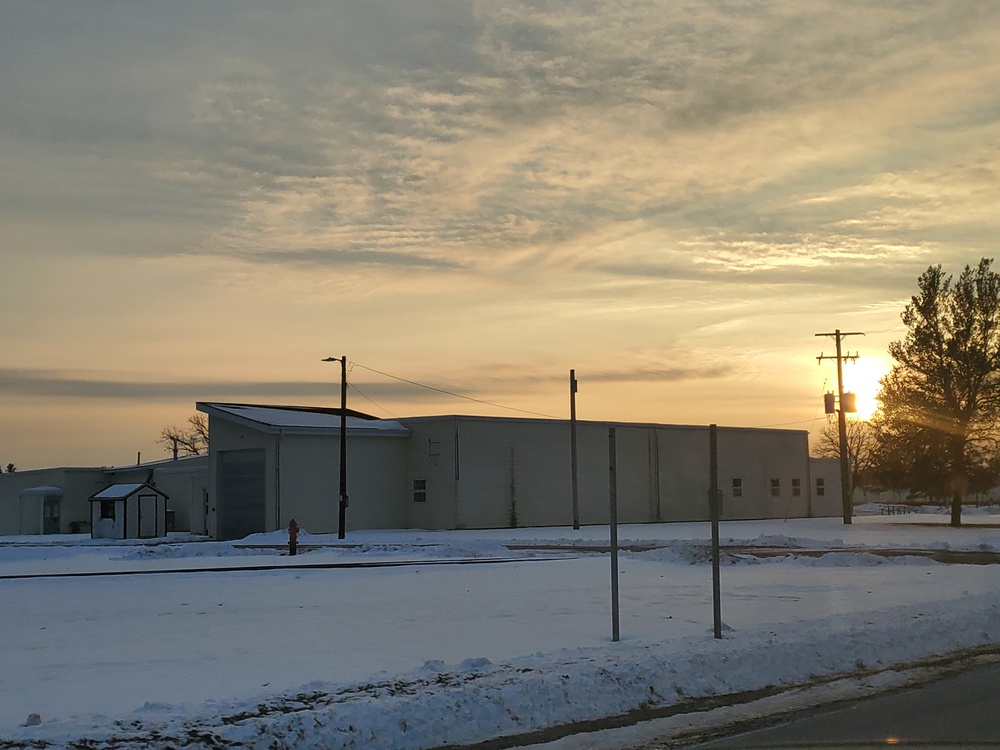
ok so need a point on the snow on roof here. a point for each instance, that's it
(303, 418)
(120, 491)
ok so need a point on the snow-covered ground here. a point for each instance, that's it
(479, 637)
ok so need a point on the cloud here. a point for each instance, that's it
(445, 180)
(499, 138)
(342, 257)
(716, 118)
(58, 384)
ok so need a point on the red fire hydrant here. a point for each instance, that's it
(293, 537)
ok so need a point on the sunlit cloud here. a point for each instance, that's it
(669, 196)
(552, 110)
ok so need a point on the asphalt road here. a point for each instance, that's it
(958, 710)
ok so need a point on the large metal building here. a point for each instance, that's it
(269, 464)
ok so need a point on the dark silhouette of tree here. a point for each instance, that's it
(190, 440)
(861, 448)
(909, 457)
(11, 468)
(940, 403)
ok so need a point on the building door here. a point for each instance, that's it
(50, 515)
(147, 516)
(241, 496)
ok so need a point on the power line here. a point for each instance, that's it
(366, 398)
(888, 330)
(785, 424)
(456, 395)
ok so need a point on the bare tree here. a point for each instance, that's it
(861, 449)
(189, 440)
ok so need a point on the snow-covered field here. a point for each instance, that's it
(475, 639)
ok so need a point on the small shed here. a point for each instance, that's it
(128, 511)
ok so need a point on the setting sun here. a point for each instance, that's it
(862, 378)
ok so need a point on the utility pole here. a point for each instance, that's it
(845, 469)
(342, 510)
(572, 441)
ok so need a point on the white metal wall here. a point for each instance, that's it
(497, 473)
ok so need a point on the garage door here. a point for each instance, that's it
(240, 502)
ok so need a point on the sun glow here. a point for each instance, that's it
(862, 378)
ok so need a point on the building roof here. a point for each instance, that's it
(580, 422)
(303, 419)
(122, 491)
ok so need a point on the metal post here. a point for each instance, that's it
(714, 510)
(572, 442)
(613, 496)
(342, 515)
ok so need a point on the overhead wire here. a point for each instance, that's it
(452, 393)
(785, 424)
(512, 408)
(369, 400)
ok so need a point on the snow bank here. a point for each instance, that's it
(477, 699)
(421, 656)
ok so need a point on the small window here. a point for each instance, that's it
(108, 509)
(737, 487)
(796, 487)
(420, 490)
(775, 488)
(820, 486)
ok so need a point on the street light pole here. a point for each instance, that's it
(342, 508)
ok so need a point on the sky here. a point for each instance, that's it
(201, 201)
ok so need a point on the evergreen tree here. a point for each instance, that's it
(940, 403)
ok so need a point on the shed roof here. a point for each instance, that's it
(122, 491)
(303, 419)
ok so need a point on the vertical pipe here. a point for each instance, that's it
(713, 504)
(572, 443)
(613, 497)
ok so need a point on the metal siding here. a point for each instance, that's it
(241, 493)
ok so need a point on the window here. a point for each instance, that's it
(775, 488)
(796, 487)
(737, 487)
(820, 486)
(108, 509)
(420, 490)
